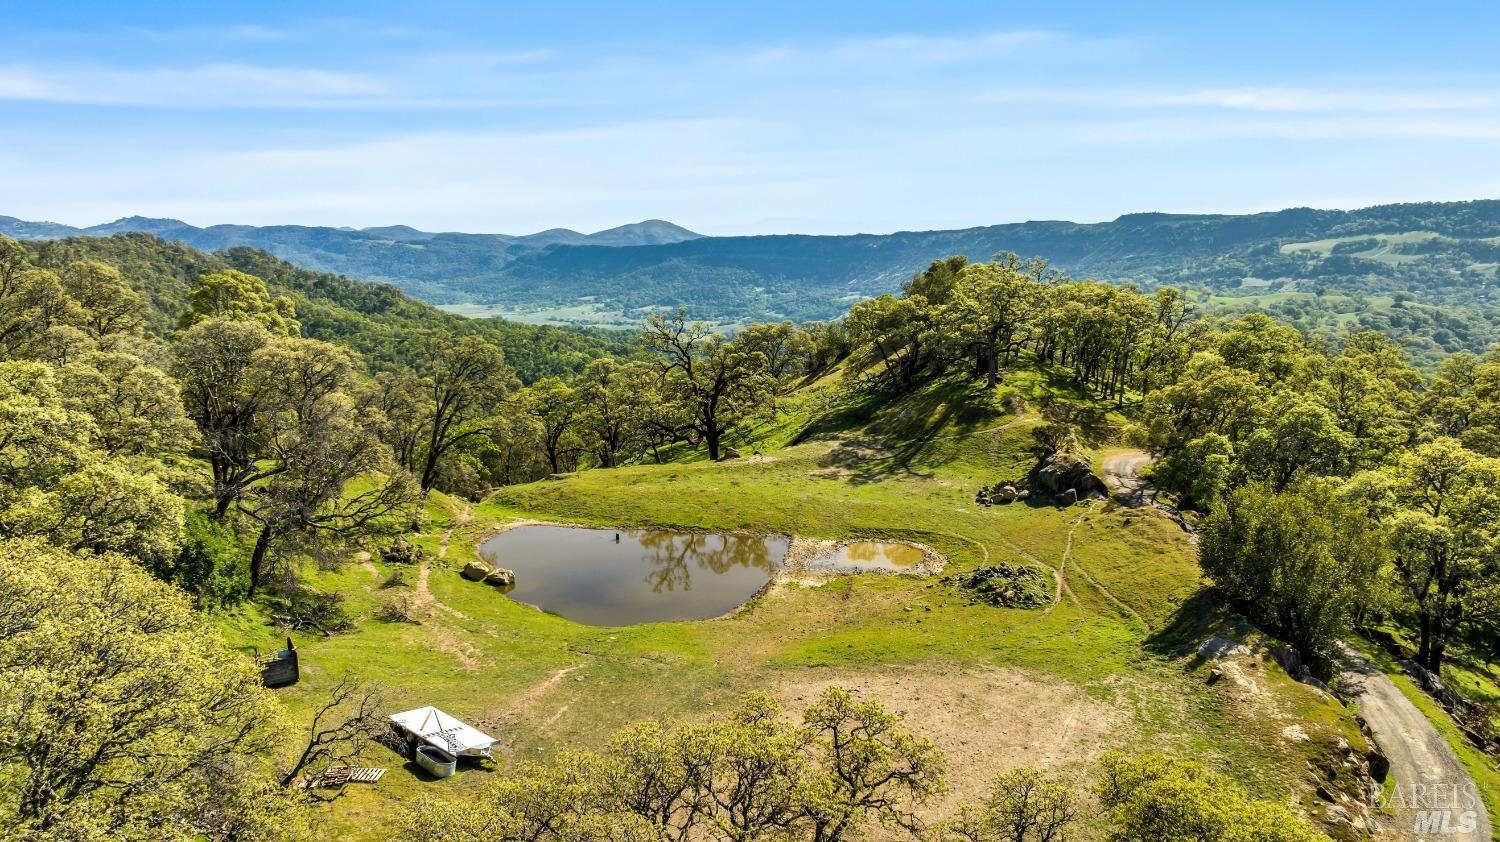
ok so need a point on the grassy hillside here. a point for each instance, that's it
(1101, 667)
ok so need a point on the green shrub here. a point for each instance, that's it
(1155, 797)
(212, 565)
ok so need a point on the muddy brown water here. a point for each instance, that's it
(643, 576)
(867, 555)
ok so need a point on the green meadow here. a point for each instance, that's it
(1107, 665)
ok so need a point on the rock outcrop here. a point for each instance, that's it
(1291, 661)
(1219, 648)
(401, 551)
(501, 576)
(1068, 478)
(1345, 778)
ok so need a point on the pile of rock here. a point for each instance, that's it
(402, 551)
(1001, 493)
(1005, 585)
(502, 577)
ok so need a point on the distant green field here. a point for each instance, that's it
(578, 315)
(1383, 252)
(591, 315)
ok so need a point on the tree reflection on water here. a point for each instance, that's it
(672, 555)
(610, 578)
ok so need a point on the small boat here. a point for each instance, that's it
(436, 761)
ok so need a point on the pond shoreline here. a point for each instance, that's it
(796, 568)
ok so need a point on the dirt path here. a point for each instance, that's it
(363, 557)
(535, 692)
(424, 597)
(1113, 600)
(1419, 755)
(444, 638)
(525, 704)
(1122, 473)
(1007, 425)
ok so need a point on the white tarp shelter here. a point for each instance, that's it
(434, 727)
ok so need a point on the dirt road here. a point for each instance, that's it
(1433, 792)
(1122, 473)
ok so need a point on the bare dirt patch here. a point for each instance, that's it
(987, 721)
(794, 569)
(850, 457)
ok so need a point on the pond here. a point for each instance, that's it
(857, 556)
(608, 577)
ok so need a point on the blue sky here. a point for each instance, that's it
(767, 117)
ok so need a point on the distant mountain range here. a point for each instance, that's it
(437, 266)
(1428, 253)
(652, 232)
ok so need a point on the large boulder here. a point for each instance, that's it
(1219, 648)
(1063, 472)
(475, 572)
(502, 576)
(1290, 660)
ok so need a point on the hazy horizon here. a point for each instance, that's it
(522, 233)
(787, 118)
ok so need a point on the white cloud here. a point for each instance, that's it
(536, 76)
(1201, 130)
(232, 32)
(1282, 99)
(1307, 99)
(213, 85)
(904, 49)
(505, 182)
(819, 134)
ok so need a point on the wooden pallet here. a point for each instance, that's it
(339, 775)
(365, 774)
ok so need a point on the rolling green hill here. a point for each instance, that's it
(373, 319)
(1434, 254)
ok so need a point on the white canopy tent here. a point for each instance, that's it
(434, 727)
